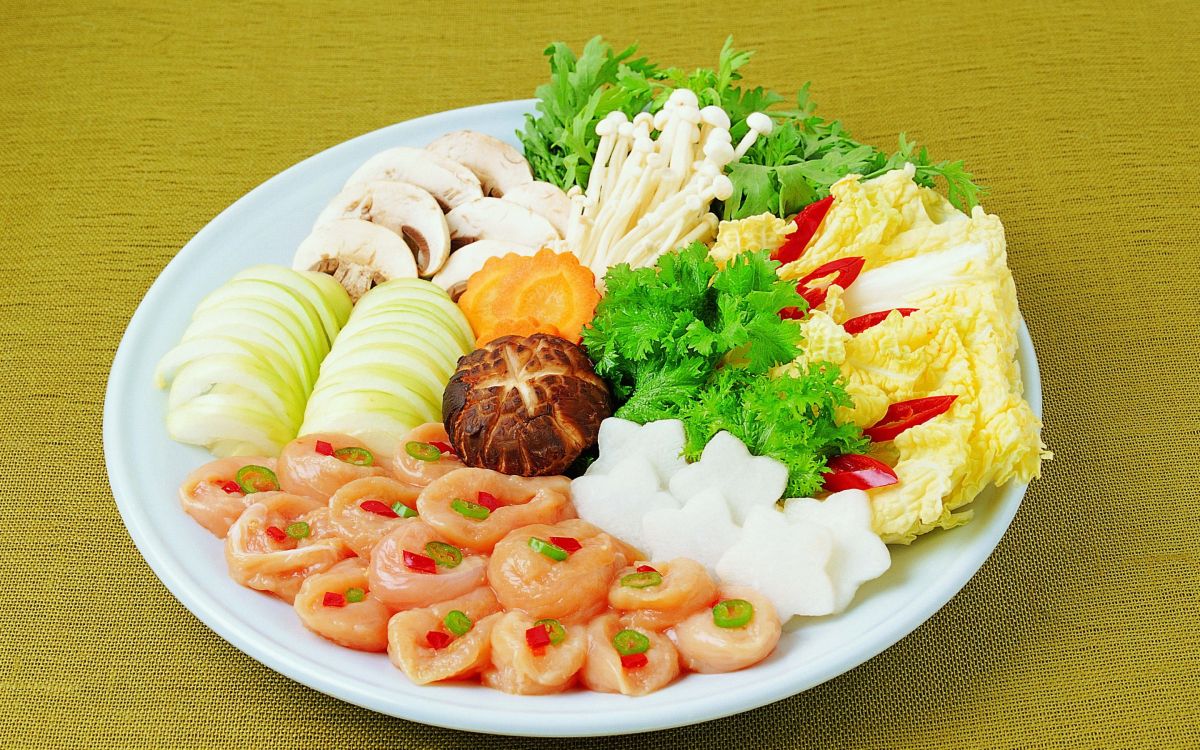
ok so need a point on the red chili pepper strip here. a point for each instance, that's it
(487, 500)
(807, 223)
(634, 661)
(904, 414)
(379, 508)
(870, 320)
(568, 543)
(324, 448)
(437, 639)
(333, 599)
(419, 563)
(445, 448)
(854, 471)
(646, 569)
(277, 533)
(538, 636)
(231, 487)
(844, 272)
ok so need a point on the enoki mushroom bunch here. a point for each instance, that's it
(649, 195)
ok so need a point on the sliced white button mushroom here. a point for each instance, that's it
(544, 199)
(449, 182)
(407, 210)
(499, 166)
(495, 219)
(357, 253)
(468, 259)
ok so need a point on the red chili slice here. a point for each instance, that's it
(487, 500)
(277, 533)
(844, 272)
(854, 471)
(646, 569)
(568, 544)
(437, 639)
(634, 661)
(324, 448)
(333, 599)
(445, 448)
(807, 223)
(231, 487)
(419, 563)
(870, 320)
(904, 414)
(537, 637)
(379, 508)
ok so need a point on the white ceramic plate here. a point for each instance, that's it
(145, 468)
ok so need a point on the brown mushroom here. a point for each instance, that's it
(527, 406)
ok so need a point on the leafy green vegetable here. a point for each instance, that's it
(688, 340)
(789, 417)
(804, 155)
(783, 172)
(560, 142)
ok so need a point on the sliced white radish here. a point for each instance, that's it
(618, 501)
(746, 481)
(784, 561)
(702, 529)
(660, 442)
(858, 554)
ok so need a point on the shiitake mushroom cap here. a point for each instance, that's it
(525, 405)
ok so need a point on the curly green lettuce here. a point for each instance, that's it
(792, 167)
(688, 340)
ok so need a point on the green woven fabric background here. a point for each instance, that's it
(123, 131)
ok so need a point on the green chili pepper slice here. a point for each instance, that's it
(355, 594)
(445, 555)
(467, 509)
(630, 642)
(422, 451)
(298, 530)
(732, 613)
(403, 510)
(253, 478)
(356, 456)
(642, 580)
(552, 551)
(457, 622)
(557, 632)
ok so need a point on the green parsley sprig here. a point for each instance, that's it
(688, 340)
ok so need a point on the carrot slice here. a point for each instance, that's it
(548, 292)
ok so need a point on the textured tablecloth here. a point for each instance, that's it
(123, 131)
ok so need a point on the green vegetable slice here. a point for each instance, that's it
(457, 622)
(253, 478)
(557, 632)
(356, 456)
(355, 594)
(468, 509)
(422, 451)
(445, 555)
(550, 550)
(298, 530)
(403, 510)
(642, 580)
(732, 613)
(630, 642)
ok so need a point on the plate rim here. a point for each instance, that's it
(430, 710)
